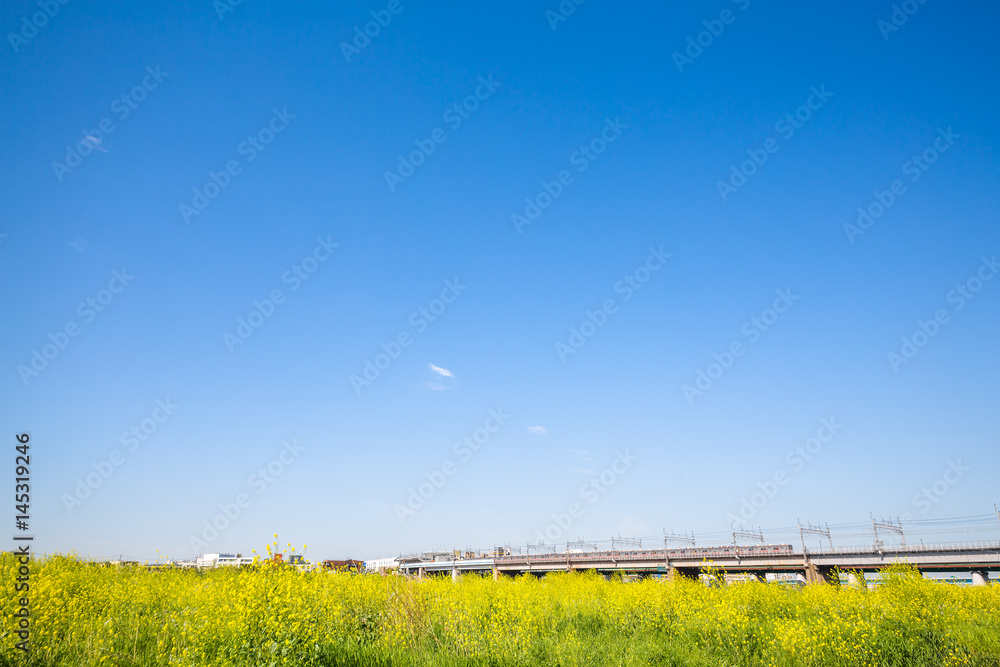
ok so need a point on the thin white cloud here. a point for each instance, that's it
(436, 386)
(494, 515)
(444, 372)
(582, 453)
(538, 430)
(583, 471)
(94, 143)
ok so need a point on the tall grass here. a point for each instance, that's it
(86, 614)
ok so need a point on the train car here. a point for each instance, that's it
(686, 553)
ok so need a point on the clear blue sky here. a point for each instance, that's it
(338, 119)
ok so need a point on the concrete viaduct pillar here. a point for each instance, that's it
(817, 574)
(980, 578)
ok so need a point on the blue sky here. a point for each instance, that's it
(201, 88)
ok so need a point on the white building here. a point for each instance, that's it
(222, 560)
(381, 564)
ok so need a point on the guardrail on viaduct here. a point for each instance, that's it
(808, 565)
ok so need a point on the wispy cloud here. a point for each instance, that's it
(436, 386)
(494, 515)
(582, 453)
(94, 143)
(538, 430)
(584, 471)
(444, 372)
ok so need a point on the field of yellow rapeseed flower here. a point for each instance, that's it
(86, 614)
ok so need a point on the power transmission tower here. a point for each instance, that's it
(757, 536)
(813, 530)
(888, 527)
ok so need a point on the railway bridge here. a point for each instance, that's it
(754, 561)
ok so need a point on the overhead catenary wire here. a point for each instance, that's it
(855, 530)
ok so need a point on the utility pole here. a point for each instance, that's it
(673, 537)
(813, 530)
(625, 541)
(887, 526)
(581, 545)
(757, 536)
(542, 547)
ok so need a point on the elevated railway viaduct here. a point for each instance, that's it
(757, 561)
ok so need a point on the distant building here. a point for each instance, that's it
(382, 564)
(222, 560)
